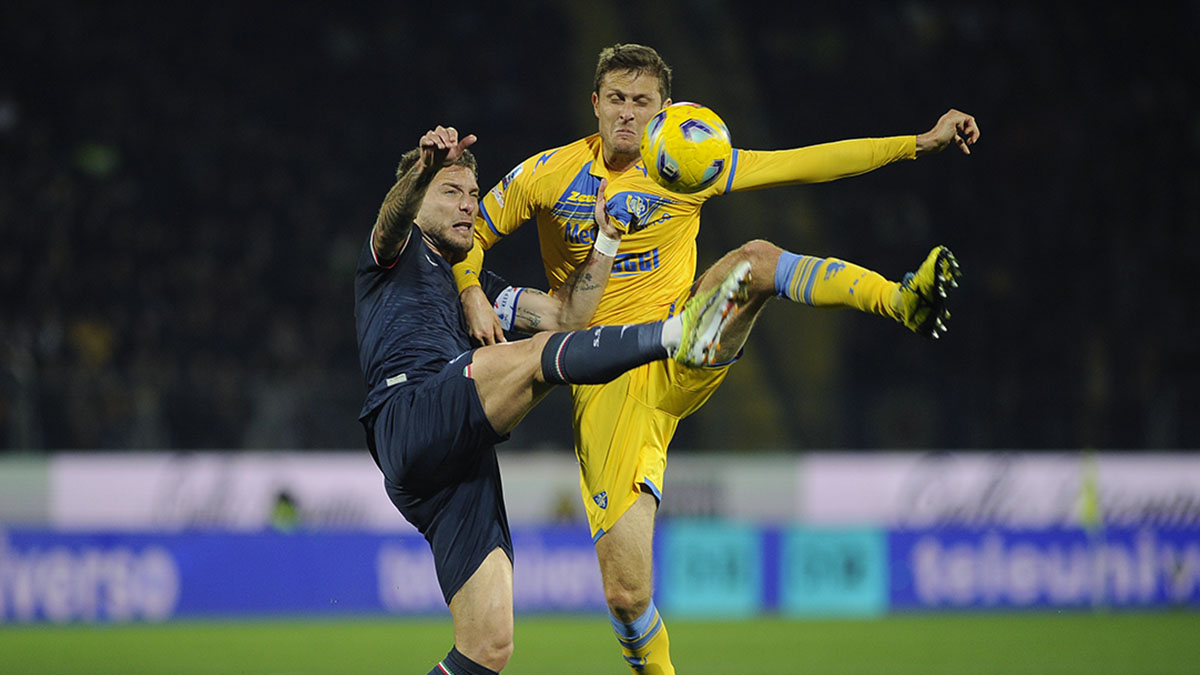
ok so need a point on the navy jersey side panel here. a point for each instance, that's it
(408, 317)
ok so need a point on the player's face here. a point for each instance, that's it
(624, 105)
(447, 215)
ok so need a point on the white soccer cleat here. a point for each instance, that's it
(705, 315)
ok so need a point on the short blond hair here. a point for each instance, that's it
(639, 59)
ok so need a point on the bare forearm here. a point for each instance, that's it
(570, 306)
(400, 206)
(580, 294)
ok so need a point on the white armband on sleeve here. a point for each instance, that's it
(506, 306)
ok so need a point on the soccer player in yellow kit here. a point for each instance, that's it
(622, 428)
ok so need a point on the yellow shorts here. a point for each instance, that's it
(622, 430)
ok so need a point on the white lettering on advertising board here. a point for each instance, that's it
(60, 584)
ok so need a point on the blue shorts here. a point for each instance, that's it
(437, 451)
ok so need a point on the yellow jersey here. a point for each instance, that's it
(656, 265)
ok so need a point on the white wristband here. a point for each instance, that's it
(606, 245)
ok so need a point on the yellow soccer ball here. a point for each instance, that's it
(685, 147)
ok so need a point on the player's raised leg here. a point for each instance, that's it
(511, 377)
(918, 302)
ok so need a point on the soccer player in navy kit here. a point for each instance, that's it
(436, 408)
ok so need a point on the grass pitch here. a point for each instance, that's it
(1110, 643)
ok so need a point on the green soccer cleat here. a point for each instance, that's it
(923, 293)
(705, 315)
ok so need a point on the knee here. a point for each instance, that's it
(627, 602)
(499, 652)
(763, 256)
(537, 342)
(759, 252)
(494, 652)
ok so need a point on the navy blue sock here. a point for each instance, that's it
(597, 355)
(457, 664)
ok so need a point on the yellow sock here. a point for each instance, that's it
(830, 282)
(644, 643)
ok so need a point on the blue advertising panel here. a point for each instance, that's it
(59, 577)
(957, 568)
(556, 570)
(704, 568)
(833, 572)
(711, 569)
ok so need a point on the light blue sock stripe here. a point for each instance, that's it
(812, 279)
(634, 645)
(802, 278)
(784, 269)
(797, 278)
(796, 275)
(640, 630)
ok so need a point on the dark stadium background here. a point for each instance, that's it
(184, 189)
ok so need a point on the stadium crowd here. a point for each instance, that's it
(184, 191)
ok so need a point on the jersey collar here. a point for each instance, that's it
(599, 169)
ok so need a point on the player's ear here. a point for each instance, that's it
(596, 104)
(667, 103)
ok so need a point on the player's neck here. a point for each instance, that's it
(620, 163)
(449, 256)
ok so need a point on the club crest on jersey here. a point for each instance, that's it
(636, 205)
(601, 499)
(649, 209)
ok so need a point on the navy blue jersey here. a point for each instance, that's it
(408, 317)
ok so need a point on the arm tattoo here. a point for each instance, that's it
(531, 319)
(586, 283)
(399, 208)
(580, 293)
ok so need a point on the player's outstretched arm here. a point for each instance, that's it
(571, 305)
(437, 148)
(758, 169)
(954, 127)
